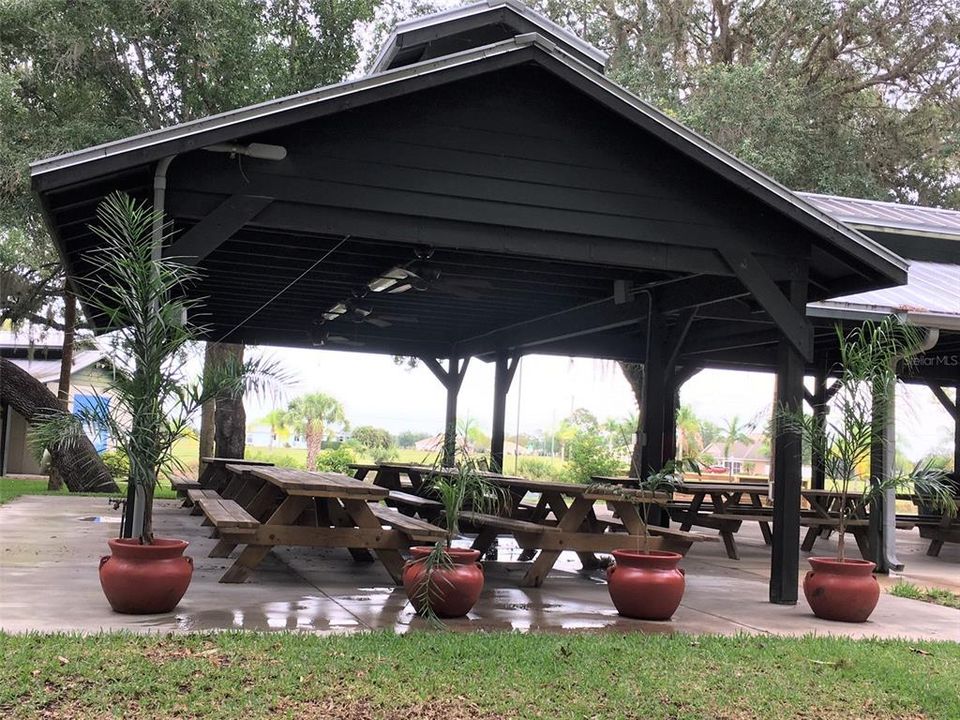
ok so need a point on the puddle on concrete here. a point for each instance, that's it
(100, 519)
(308, 614)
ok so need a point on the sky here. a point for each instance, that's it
(376, 391)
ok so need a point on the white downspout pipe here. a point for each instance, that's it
(889, 520)
(159, 204)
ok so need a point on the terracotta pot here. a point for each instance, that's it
(143, 579)
(846, 591)
(453, 591)
(646, 585)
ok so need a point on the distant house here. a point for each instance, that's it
(745, 458)
(511, 448)
(434, 444)
(261, 434)
(40, 354)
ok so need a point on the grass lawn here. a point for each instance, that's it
(937, 596)
(456, 676)
(187, 451)
(11, 488)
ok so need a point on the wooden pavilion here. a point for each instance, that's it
(487, 192)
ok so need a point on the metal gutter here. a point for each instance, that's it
(832, 309)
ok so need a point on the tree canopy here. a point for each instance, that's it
(835, 96)
(74, 74)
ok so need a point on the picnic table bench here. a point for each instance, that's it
(937, 528)
(299, 508)
(574, 526)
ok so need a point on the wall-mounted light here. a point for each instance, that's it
(261, 151)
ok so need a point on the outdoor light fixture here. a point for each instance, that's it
(392, 281)
(261, 151)
(335, 312)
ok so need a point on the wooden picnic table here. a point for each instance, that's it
(215, 475)
(574, 526)
(938, 532)
(315, 509)
(388, 474)
(731, 505)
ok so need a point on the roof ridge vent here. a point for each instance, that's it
(478, 25)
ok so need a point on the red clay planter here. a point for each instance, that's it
(145, 579)
(453, 591)
(646, 585)
(843, 590)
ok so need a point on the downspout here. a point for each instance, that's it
(136, 496)
(886, 555)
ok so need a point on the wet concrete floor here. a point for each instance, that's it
(49, 548)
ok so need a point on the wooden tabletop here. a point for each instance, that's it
(705, 487)
(234, 461)
(318, 484)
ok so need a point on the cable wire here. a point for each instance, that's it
(289, 285)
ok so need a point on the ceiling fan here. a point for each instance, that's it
(421, 276)
(322, 338)
(358, 313)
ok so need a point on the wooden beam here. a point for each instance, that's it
(217, 227)
(953, 408)
(791, 320)
(678, 335)
(440, 232)
(603, 315)
(437, 369)
(585, 319)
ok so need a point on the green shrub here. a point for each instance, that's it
(278, 458)
(335, 460)
(588, 456)
(536, 468)
(117, 462)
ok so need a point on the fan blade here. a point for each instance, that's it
(380, 322)
(343, 340)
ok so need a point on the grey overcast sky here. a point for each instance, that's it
(375, 391)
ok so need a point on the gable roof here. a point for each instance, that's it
(877, 265)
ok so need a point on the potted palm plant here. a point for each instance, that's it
(149, 402)
(842, 588)
(647, 584)
(440, 580)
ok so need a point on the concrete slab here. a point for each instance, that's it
(49, 548)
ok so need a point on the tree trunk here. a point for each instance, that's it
(633, 372)
(314, 438)
(66, 368)
(80, 467)
(207, 413)
(230, 417)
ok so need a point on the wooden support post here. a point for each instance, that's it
(452, 379)
(671, 405)
(956, 443)
(654, 399)
(820, 408)
(505, 368)
(881, 532)
(787, 466)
